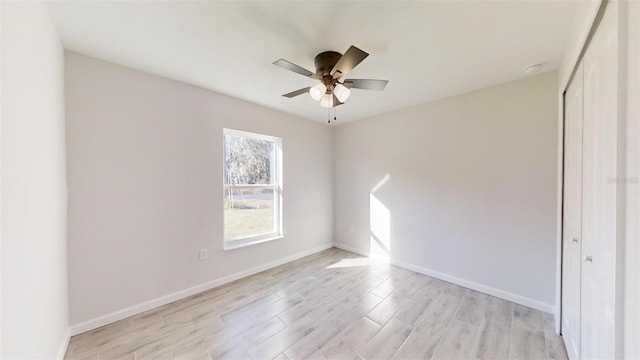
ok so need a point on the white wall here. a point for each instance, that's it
(470, 189)
(34, 195)
(145, 187)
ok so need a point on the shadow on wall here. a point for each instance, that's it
(379, 225)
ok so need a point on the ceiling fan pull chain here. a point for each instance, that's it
(328, 116)
(335, 111)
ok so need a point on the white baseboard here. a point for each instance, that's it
(350, 249)
(151, 304)
(518, 299)
(65, 343)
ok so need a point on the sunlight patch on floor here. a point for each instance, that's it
(350, 263)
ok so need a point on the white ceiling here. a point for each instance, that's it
(427, 50)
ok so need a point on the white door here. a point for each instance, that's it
(599, 192)
(572, 216)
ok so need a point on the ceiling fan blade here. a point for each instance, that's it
(295, 68)
(336, 102)
(348, 61)
(366, 84)
(297, 92)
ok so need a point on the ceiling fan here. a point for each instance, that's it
(331, 67)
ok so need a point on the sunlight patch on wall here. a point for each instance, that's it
(380, 226)
(381, 183)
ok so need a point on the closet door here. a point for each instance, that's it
(599, 192)
(572, 216)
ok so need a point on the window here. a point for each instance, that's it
(252, 188)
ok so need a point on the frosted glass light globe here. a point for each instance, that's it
(317, 91)
(342, 92)
(326, 101)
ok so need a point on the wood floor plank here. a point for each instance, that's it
(500, 311)
(281, 357)
(225, 347)
(299, 310)
(281, 341)
(526, 344)
(440, 312)
(555, 345)
(255, 306)
(345, 312)
(493, 342)
(416, 307)
(421, 343)
(430, 327)
(387, 309)
(528, 319)
(131, 340)
(190, 347)
(384, 289)
(190, 356)
(70, 354)
(350, 340)
(473, 308)
(158, 345)
(312, 342)
(276, 308)
(387, 341)
(458, 341)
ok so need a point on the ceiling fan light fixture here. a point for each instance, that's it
(327, 100)
(317, 91)
(341, 92)
(331, 70)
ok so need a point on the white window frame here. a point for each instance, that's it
(276, 186)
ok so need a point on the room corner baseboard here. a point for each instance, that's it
(506, 295)
(65, 344)
(350, 249)
(151, 304)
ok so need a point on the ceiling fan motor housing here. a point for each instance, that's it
(325, 61)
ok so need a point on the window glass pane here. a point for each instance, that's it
(248, 212)
(248, 161)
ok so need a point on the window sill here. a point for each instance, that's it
(237, 244)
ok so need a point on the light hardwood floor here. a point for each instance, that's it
(330, 305)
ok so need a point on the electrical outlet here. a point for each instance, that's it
(204, 254)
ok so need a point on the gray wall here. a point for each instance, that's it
(145, 186)
(466, 187)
